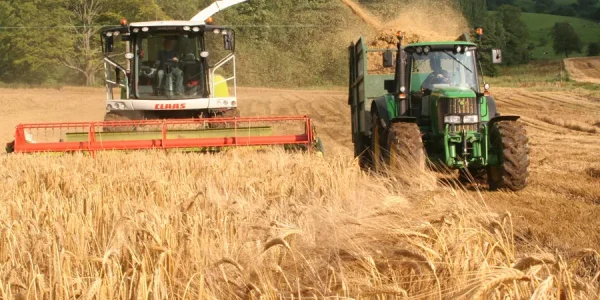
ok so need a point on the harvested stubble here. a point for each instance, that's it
(149, 225)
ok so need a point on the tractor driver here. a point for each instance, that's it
(169, 54)
(438, 76)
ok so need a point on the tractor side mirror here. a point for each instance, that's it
(117, 75)
(228, 42)
(390, 85)
(388, 59)
(496, 56)
(109, 44)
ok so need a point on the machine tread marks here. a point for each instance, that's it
(405, 147)
(513, 170)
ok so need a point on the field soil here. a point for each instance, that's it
(560, 208)
(584, 69)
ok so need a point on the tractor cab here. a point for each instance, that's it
(437, 84)
(441, 71)
(169, 60)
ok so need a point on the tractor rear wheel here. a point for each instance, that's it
(405, 147)
(512, 171)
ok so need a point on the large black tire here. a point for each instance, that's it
(405, 147)
(376, 147)
(511, 141)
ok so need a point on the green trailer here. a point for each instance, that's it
(429, 108)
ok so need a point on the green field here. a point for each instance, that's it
(540, 25)
(529, 5)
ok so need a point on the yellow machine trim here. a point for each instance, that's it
(221, 88)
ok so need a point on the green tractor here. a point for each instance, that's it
(430, 108)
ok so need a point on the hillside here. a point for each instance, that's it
(539, 28)
(529, 5)
(584, 69)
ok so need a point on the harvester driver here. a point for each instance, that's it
(167, 59)
(438, 76)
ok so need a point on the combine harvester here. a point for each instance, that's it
(172, 94)
(430, 106)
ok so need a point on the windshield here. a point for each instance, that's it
(443, 68)
(171, 66)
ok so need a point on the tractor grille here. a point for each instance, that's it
(458, 106)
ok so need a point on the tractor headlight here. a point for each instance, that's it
(452, 119)
(470, 119)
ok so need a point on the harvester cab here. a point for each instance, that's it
(431, 107)
(176, 90)
(169, 69)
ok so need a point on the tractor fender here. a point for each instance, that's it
(380, 106)
(502, 118)
(492, 109)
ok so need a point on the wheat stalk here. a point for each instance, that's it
(527, 262)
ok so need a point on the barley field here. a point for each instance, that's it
(267, 225)
(276, 225)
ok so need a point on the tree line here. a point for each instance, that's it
(283, 43)
(579, 8)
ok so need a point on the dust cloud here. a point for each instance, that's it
(366, 16)
(418, 21)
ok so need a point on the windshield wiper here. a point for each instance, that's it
(458, 61)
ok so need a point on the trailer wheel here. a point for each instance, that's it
(376, 144)
(363, 149)
(405, 146)
(512, 171)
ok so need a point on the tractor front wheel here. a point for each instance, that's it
(405, 147)
(510, 141)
